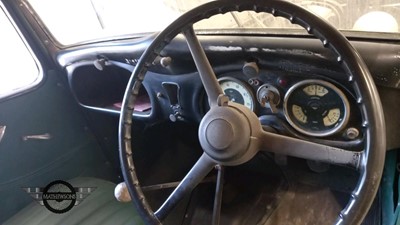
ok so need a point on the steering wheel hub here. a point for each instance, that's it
(225, 134)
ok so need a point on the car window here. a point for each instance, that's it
(82, 20)
(18, 70)
(78, 21)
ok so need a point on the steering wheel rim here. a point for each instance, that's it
(369, 162)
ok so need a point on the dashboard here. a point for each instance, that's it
(293, 85)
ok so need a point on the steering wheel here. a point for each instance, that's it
(230, 134)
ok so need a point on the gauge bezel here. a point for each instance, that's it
(245, 85)
(329, 132)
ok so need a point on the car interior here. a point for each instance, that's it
(294, 124)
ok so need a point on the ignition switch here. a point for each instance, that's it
(268, 96)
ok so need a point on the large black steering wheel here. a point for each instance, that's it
(230, 134)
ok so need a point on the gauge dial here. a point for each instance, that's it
(316, 108)
(237, 91)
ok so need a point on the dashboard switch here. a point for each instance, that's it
(172, 90)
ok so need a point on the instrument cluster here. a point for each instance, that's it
(314, 107)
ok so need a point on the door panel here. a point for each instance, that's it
(46, 137)
(71, 150)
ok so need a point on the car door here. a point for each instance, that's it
(43, 135)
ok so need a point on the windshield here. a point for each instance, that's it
(76, 21)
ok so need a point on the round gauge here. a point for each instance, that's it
(237, 91)
(316, 108)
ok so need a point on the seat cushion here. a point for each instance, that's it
(100, 207)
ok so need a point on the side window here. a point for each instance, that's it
(18, 68)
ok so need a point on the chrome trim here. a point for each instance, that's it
(2, 131)
(334, 130)
(45, 136)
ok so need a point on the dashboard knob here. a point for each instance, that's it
(352, 133)
(162, 61)
(100, 64)
(250, 69)
(165, 61)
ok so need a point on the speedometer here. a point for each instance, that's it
(237, 91)
(316, 108)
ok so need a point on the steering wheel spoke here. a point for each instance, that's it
(202, 167)
(285, 145)
(218, 196)
(206, 72)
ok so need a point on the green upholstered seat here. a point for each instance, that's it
(99, 208)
